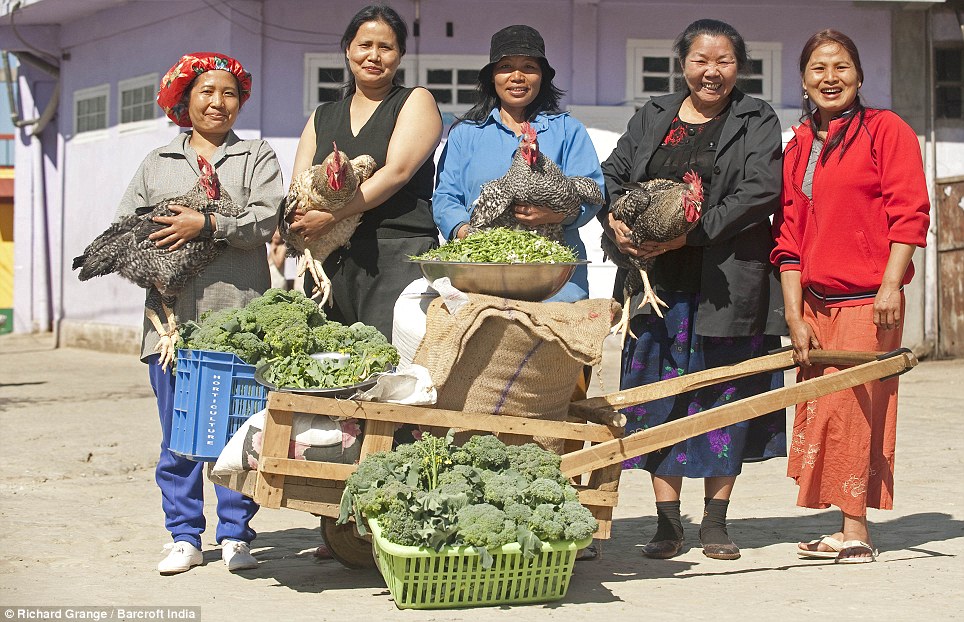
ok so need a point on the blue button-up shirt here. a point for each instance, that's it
(478, 153)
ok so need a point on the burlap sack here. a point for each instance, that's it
(509, 357)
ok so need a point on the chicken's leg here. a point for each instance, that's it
(317, 270)
(622, 326)
(649, 296)
(168, 336)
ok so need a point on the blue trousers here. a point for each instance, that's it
(182, 481)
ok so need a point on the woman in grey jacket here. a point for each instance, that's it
(205, 91)
(723, 296)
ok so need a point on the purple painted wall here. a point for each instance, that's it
(85, 176)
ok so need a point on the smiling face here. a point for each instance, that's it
(710, 70)
(373, 54)
(831, 81)
(517, 81)
(214, 102)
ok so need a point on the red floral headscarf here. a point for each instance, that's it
(175, 82)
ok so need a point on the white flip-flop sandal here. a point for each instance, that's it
(835, 545)
(857, 544)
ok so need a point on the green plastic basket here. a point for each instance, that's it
(420, 578)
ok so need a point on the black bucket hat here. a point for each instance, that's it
(519, 40)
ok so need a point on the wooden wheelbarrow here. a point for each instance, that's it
(594, 427)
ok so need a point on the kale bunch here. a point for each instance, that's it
(483, 494)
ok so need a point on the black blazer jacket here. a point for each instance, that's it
(740, 290)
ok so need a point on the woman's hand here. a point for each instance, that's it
(887, 308)
(803, 339)
(313, 224)
(182, 227)
(617, 231)
(535, 215)
(651, 250)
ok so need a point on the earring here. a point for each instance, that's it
(805, 95)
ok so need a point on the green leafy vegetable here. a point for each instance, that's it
(283, 328)
(483, 494)
(501, 245)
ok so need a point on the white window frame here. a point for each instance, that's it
(137, 83)
(87, 94)
(315, 60)
(454, 62)
(768, 52)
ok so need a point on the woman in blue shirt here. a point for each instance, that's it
(515, 87)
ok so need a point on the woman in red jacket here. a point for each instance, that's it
(855, 207)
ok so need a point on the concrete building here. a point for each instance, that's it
(89, 70)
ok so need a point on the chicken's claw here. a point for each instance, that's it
(649, 296)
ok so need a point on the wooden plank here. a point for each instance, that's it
(420, 415)
(306, 468)
(709, 377)
(269, 487)
(589, 496)
(611, 452)
(378, 437)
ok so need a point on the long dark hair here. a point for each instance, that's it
(712, 28)
(856, 112)
(546, 101)
(373, 13)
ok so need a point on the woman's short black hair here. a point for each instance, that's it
(373, 13)
(712, 28)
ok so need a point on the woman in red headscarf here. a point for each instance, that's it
(205, 92)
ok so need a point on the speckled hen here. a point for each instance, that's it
(658, 210)
(532, 179)
(125, 248)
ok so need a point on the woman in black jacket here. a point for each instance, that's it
(724, 299)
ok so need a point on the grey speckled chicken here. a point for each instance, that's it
(124, 248)
(532, 179)
(658, 210)
(328, 186)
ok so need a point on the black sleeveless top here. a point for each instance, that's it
(408, 212)
(686, 146)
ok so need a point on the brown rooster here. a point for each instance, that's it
(125, 248)
(532, 179)
(658, 210)
(328, 186)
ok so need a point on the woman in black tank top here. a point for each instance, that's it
(400, 128)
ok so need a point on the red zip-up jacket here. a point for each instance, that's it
(873, 196)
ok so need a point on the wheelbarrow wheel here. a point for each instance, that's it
(349, 549)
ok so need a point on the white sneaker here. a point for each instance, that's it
(182, 557)
(237, 555)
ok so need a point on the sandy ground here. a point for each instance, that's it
(81, 525)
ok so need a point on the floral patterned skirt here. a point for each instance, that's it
(667, 347)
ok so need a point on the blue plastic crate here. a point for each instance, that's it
(214, 394)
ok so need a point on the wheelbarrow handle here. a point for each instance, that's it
(667, 434)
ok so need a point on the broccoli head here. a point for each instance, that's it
(504, 487)
(484, 525)
(579, 521)
(483, 451)
(535, 462)
(545, 523)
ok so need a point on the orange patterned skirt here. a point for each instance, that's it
(842, 449)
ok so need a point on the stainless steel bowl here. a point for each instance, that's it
(520, 281)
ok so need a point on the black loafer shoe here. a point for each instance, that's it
(722, 551)
(663, 549)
